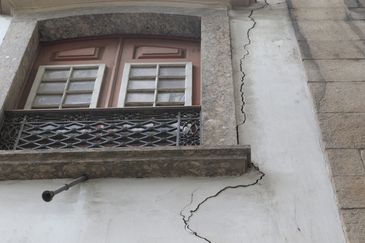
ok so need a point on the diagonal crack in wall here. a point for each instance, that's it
(187, 218)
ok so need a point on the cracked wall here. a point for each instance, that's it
(294, 202)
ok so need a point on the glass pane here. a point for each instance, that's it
(84, 73)
(140, 97)
(74, 99)
(47, 100)
(86, 85)
(171, 83)
(172, 71)
(50, 74)
(142, 71)
(171, 97)
(141, 84)
(52, 87)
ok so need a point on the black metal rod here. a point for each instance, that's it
(48, 195)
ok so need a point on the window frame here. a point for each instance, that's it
(126, 78)
(38, 80)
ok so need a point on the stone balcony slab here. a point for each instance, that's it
(125, 162)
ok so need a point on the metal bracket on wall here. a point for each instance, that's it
(47, 196)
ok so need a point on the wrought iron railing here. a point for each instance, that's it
(100, 128)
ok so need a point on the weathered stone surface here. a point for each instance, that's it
(357, 13)
(343, 97)
(354, 220)
(339, 96)
(332, 49)
(335, 70)
(350, 191)
(355, 3)
(45, 5)
(331, 30)
(345, 162)
(218, 108)
(16, 55)
(118, 24)
(318, 89)
(315, 3)
(319, 14)
(125, 162)
(343, 130)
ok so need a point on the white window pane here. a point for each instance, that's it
(141, 84)
(77, 86)
(74, 99)
(171, 83)
(48, 100)
(52, 87)
(84, 73)
(140, 97)
(142, 71)
(56, 74)
(172, 71)
(171, 97)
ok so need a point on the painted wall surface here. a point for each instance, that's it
(4, 24)
(293, 203)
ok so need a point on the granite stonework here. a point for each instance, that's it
(125, 162)
(339, 70)
(332, 49)
(350, 191)
(332, 46)
(218, 114)
(11, 6)
(16, 56)
(119, 24)
(354, 220)
(218, 108)
(346, 162)
(343, 130)
(341, 97)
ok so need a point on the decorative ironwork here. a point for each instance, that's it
(100, 128)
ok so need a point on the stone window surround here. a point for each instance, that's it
(218, 114)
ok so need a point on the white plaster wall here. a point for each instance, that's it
(293, 203)
(4, 24)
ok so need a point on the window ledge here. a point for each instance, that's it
(125, 162)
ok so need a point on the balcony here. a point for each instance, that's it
(129, 142)
(100, 128)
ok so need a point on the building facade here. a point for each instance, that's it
(193, 120)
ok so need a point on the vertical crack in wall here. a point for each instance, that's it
(242, 70)
(187, 218)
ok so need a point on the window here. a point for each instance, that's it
(74, 86)
(114, 72)
(160, 84)
(155, 82)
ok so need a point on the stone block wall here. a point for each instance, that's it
(331, 35)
